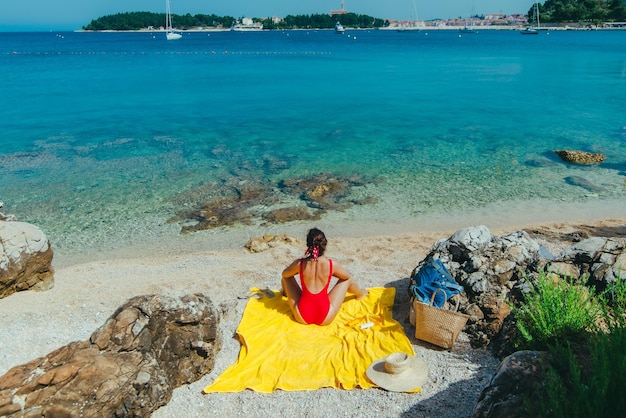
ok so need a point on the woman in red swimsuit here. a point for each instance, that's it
(311, 302)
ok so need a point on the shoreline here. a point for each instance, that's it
(399, 28)
(166, 241)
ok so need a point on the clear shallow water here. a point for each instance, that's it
(106, 136)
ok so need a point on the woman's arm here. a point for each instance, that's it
(342, 274)
(292, 269)
(340, 271)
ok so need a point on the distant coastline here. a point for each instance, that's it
(422, 29)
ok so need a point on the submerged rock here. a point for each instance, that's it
(248, 201)
(282, 215)
(223, 210)
(584, 183)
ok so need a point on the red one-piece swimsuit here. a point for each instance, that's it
(314, 307)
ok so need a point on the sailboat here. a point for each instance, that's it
(532, 30)
(468, 28)
(170, 35)
(414, 24)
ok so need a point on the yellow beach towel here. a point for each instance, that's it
(279, 353)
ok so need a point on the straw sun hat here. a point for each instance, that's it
(398, 372)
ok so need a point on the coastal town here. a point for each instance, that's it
(488, 21)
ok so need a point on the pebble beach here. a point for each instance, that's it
(87, 293)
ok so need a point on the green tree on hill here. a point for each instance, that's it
(618, 11)
(564, 11)
(142, 20)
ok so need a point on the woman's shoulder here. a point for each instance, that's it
(320, 261)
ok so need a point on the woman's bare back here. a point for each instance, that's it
(315, 273)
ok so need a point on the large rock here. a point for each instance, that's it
(25, 258)
(603, 260)
(128, 367)
(492, 269)
(517, 380)
(497, 271)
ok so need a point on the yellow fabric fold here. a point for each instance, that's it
(279, 353)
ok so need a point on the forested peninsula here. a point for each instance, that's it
(143, 20)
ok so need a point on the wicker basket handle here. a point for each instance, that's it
(445, 299)
(432, 298)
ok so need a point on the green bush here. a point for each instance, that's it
(556, 310)
(585, 338)
(585, 381)
(615, 295)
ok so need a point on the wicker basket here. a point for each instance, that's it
(438, 326)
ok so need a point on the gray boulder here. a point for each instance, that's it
(492, 269)
(128, 367)
(518, 380)
(602, 259)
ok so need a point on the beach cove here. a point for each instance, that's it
(86, 294)
(112, 135)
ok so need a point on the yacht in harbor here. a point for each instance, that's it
(532, 30)
(468, 28)
(339, 28)
(170, 35)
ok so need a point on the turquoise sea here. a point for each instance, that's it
(110, 140)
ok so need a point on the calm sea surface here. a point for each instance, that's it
(105, 137)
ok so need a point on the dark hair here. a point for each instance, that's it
(316, 238)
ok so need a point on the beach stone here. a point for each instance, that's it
(517, 380)
(129, 367)
(25, 258)
(267, 241)
(579, 157)
(602, 259)
(563, 269)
